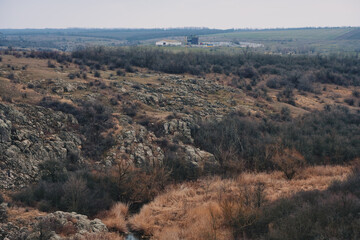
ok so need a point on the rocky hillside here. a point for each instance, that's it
(30, 136)
(79, 134)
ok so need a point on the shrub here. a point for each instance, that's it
(114, 219)
(242, 212)
(349, 101)
(287, 96)
(356, 94)
(25, 196)
(325, 137)
(136, 186)
(238, 82)
(97, 74)
(114, 101)
(180, 169)
(269, 69)
(52, 170)
(130, 108)
(217, 69)
(305, 83)
(248, 71)
(273, 83)
(129, 69)
(50, 64)
(120, 73)
(289, 161)
(76, 195)
(236, 139)
(44, 206)
(71, 76)
(285, 114)
(11, 76)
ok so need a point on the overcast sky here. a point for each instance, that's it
(178, 13)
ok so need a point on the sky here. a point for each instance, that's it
(222, 14)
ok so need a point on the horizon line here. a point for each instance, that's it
(174, 28)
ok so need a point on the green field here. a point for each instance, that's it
(285, 35)
(312, 40)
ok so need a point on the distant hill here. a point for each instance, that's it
(118, 34)
(352, 35)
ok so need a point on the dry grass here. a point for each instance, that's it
(23, 216)
(115, 218)
(17, 92)
(196, 210)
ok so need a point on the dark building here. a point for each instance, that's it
(192, 40)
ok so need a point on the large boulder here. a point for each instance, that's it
(200, 159)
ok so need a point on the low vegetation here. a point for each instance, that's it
(304, 71)
(243, 143)
(254, 206)
(198, 144)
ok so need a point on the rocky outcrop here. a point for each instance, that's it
(179, 127)
(3, 213)
(140, 146)
(9, 231)
(31, 135)
(54, 226)
(200, 159)
(71, 223)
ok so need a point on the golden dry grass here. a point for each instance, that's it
(115, 218)
(195, 211)
(23, 216)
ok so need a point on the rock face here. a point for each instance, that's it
(179, 127)
(29, 136)
(3, 213)
(139, 145)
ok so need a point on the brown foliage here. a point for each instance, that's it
(137, 185)
(115, 218)
(215, 208)
(289, 161)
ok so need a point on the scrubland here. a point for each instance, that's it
(184, 145)
(204, 209)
